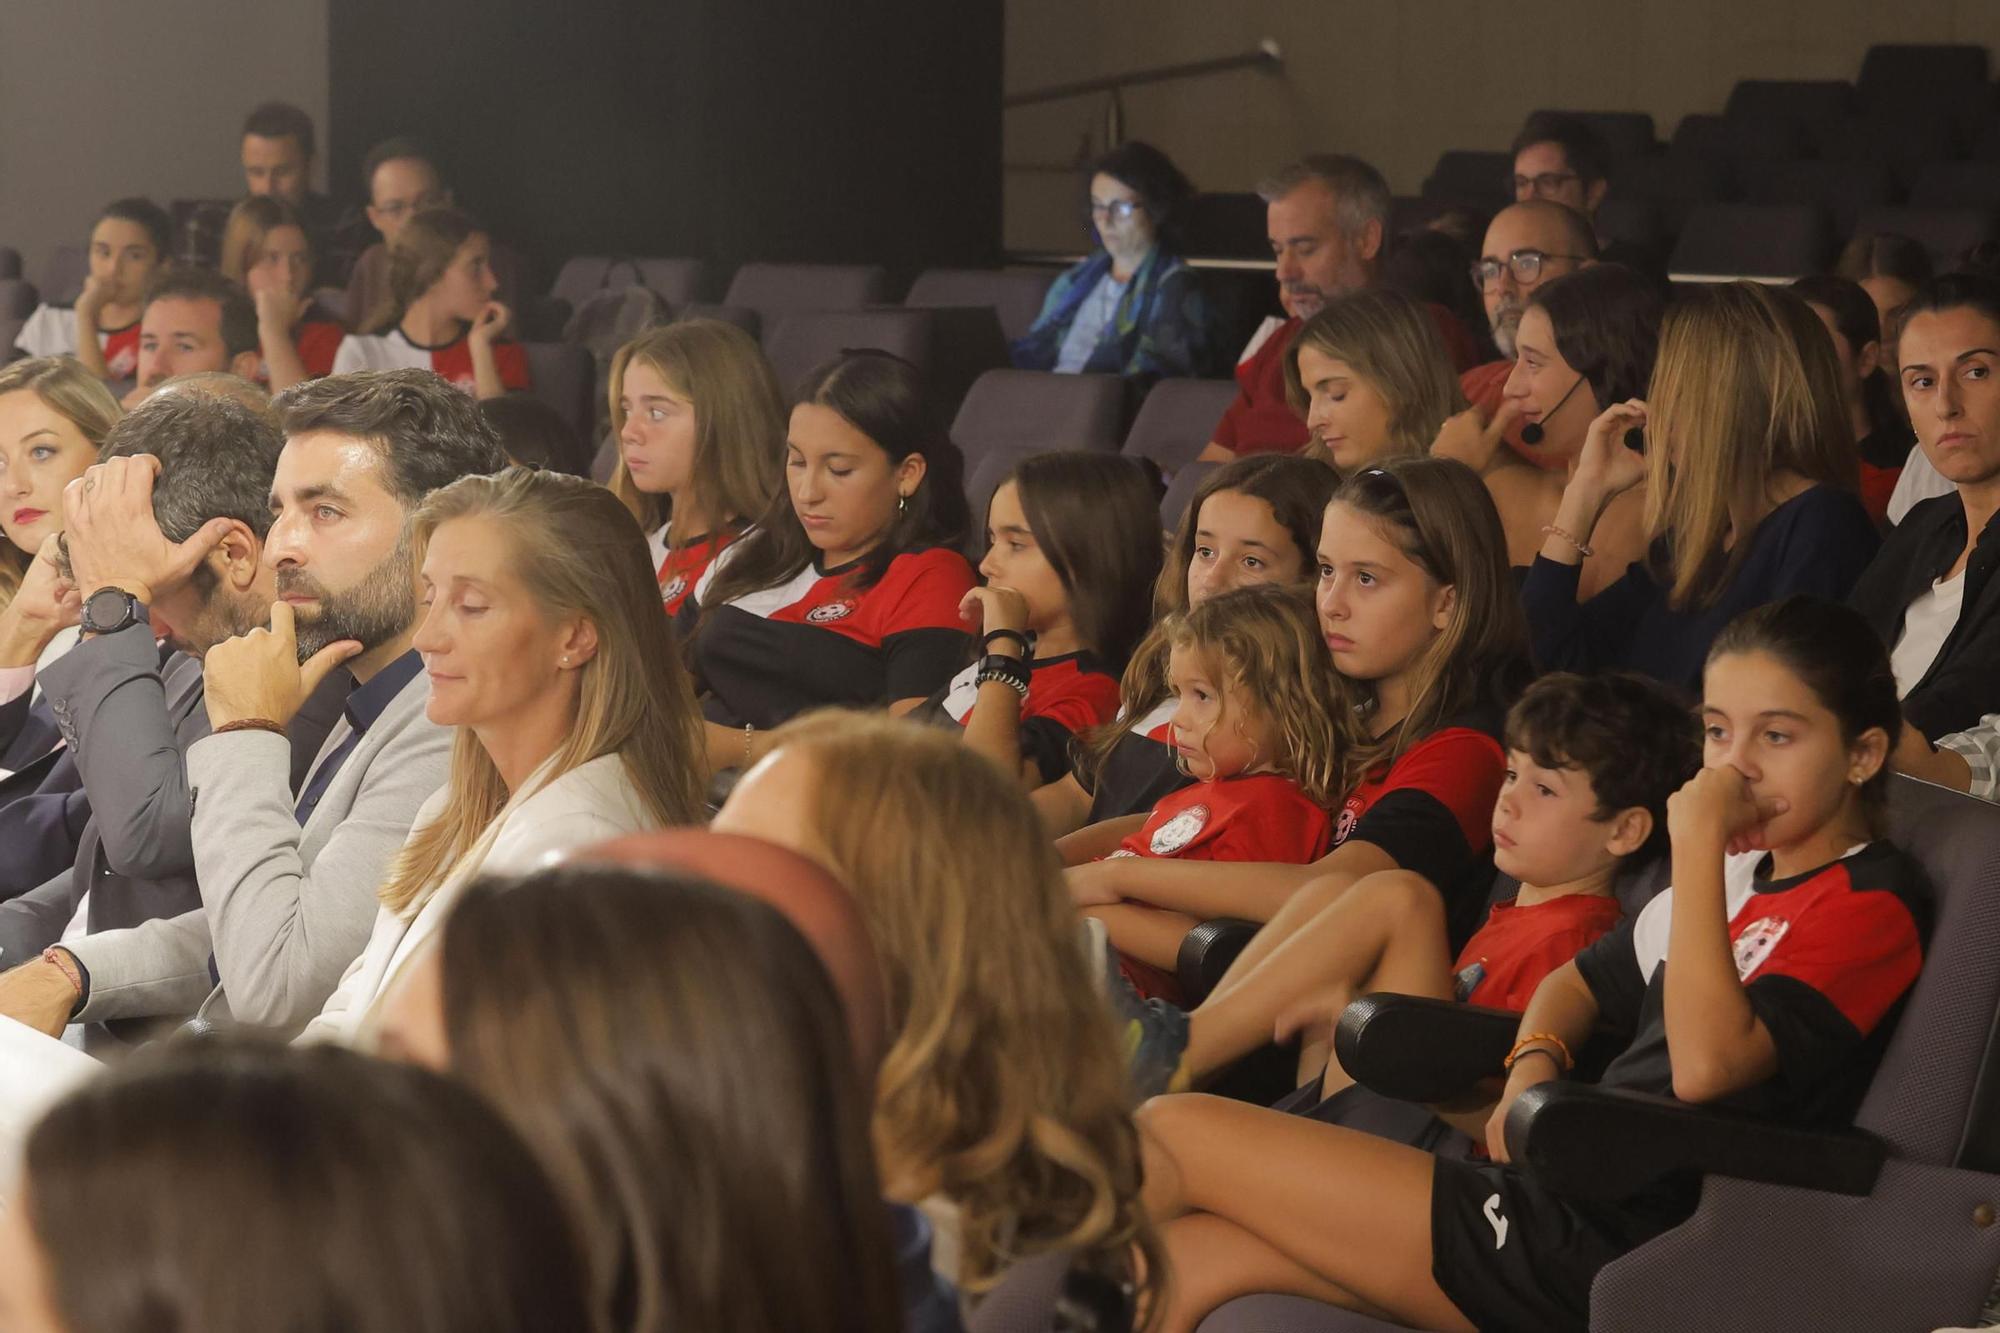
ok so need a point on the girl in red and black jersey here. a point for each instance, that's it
(847, 590)
(1252, 521)
(700, 424)
(1765, 981)
(266, 248)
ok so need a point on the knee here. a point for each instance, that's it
(1403, 895)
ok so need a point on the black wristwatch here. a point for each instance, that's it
(109, 610)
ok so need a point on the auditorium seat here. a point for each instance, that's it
(1844, 189)
(1948, 78)
(1180, 493)
(1911, 1246)
(676, 281)
(563, 375)
(1015, 295)
(61, 278)
(1904, 143)
(1010, 414)
(17, 299)
(776, 289)
(1743, 147)
(1225, 226)
(1946, 232)
(10, 262)
(1752, 241)
(741, 317)
(1177, 421)
(1673, 185)
(1477, 179)
(800, 340)
(1627, 133)
(1956, 185)
(1803, 103)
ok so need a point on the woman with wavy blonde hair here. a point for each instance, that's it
(54, 416)
(1372, 377)
(1003, 1093)
(542, 635)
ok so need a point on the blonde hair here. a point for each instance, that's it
(579, 553)
(1003, 1088)
(422, 252)
(739, 414)
(255, 217)
(1262, 645)
(1394, 344)
(1746, 387)
(75, 395)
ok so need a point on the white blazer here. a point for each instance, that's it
(591, 803)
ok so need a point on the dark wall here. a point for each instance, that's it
(727, 129)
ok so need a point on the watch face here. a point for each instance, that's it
(107, 609)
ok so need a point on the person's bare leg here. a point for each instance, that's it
(1386, 932)
(1211, 1261)
(1351, 1209)
(1311, 898)
(1152, 935)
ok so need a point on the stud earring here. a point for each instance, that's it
(902, 503)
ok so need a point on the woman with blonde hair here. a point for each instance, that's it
(440, 315)
(700, 425)
(1003, 1095)
(1372, 377)
(54, 416)
(1750, 469)
(267, 249)
(575, 722)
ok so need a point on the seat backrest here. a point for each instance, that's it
(61, 279)
(1743, 144)
(1672, 184)
(1471, 176)
(1795, 101)
(1015, 295)
(1946, 232)
(1753, 240)
(1843, 189)
(563, 375)
(801, 340)
(1956, 185)
(742, 318)
(1890, 72)
(1036, 411)
(605, 322)
(1180, 493)
(1625, 133)
(1225, 226)
(17, 299)
(10, 262)
(774, 289)
(1177, 420)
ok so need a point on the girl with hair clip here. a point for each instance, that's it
(1073, 544)
(1252, 521)
(848, 589)
(1255, 725)
(1585, 340)
(700, 425)
(54, 416)
(1749, 471)
(266, 249)
(575, 721)
(441, 315)
(1372, 378)
(1002, 1102)
(1764, 981)
(1882, 432)
(336, 1192)
(678, 1058)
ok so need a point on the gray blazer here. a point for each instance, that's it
(285, 909)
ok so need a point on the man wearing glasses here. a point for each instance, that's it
(1563, 160)
(402, 180)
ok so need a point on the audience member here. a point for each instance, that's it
(699, 423)
(1585, 341)
(441, 315)
(195, 320)
(288, 886)
(1749, 470)
(1890, 268)
(401, 179)
(1428, 265)
(678, 1058)
(1252, 521)
(847, 590)
(533, 434)
(335, 1192)
(1001, 1103)
(54, 416)
(1328, 219)
(1370, 377)
(573, 718)
(1073, 549)
(1881, 430)
(1776, 1023)
(1131, 307)
(266, 251)
(279, 147)
(1561, 158)
(128, 244)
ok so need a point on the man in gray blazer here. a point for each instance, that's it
(288, 885)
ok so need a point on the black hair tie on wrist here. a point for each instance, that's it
(986, 640)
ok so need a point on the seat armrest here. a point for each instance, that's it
(1206, 953)
(1595, 1143)
(1417, 1049)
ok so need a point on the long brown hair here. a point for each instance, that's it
(1746, 387)
(675, 1054)
(78, 397)
(255, 217)
(579, 553)
(1393, 343)
(1004, 1089)
(739, 415)
(423, 250)
(1439, 514)
(233, 1186)
(1097, 522)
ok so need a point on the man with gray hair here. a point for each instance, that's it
(1328, 220)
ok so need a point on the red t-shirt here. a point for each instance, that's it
(1250, 817)
(1518, 946)
(1067, 696)
(1877, 485)
(684, 565)
(318, 342)
(1482, 387)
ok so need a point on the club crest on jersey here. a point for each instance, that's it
(1179, 831)
(674, 587)
(1345, 824)
(828, 612)
(1754, 945)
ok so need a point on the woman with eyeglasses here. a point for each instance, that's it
(1131, 307)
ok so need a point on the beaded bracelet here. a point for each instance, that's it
(1551, 530)
(1560, 1054)
(1009, 671)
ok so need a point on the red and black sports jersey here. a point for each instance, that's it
(817, 640)
(318, 338)
(1250, 817)
(1824, 957)
(1138, 773)
(1502, 964)
(1067, 694)
(51, 331)
(1432, 812)
(451, 361)
(682, 566)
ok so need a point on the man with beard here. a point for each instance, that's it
(288, 884)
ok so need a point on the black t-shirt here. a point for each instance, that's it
(1138, 773)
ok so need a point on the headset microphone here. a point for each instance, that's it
(1532, 433)
(1635, 439)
